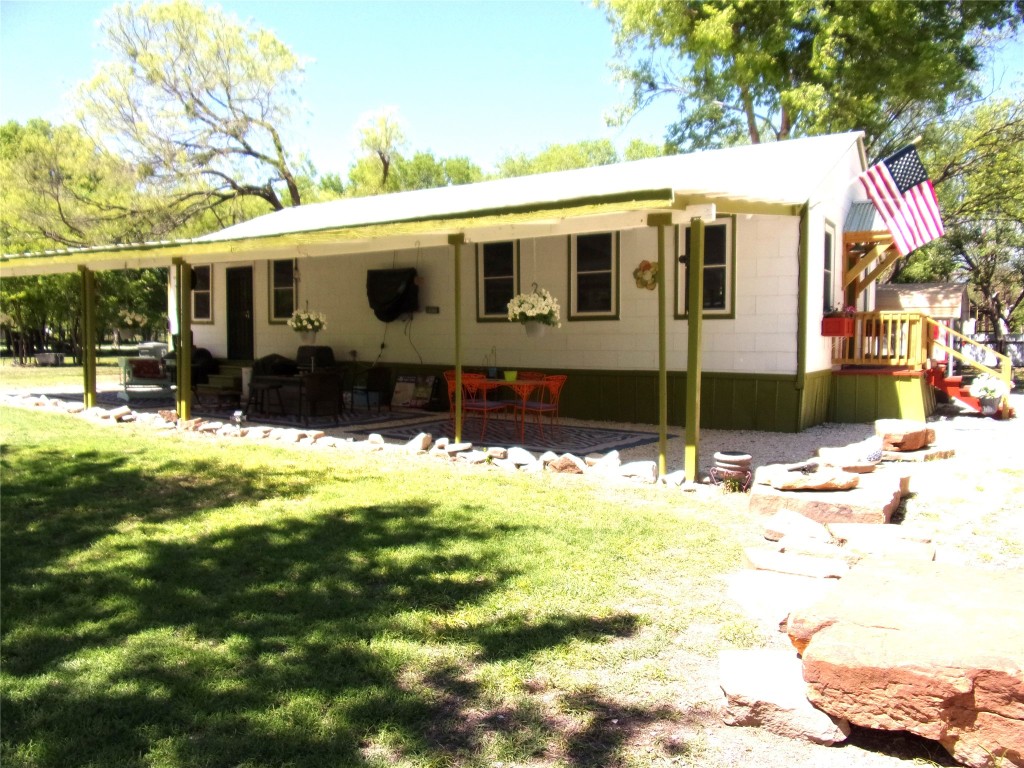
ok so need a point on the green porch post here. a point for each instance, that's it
(662, 220)
(183, 353)
(88, 337)
(695, 323)
(456, 241)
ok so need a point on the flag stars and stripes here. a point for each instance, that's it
(904, 196)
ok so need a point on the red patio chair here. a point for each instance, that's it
(546, 404)
(474, 400)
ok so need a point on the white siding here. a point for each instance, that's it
(761, 338)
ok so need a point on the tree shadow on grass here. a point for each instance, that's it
(285, 641)
(60, 501)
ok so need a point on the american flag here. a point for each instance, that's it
(905, 198)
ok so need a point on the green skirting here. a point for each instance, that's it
(863, 396)
(763, 402)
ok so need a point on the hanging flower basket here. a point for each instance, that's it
(536, 308)
(306, 321)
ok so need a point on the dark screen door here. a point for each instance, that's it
(240, 331)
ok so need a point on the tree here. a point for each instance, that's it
(760, 70)
(199, 103)
(59, 189)
(383, 168)
(424, 171)
(381, 138)
(560, 157)
(641, 150)
(977, 164)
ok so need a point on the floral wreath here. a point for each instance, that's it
(646, 275)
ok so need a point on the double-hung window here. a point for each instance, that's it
(828, 294)
(497, 278)
(282, 290)
(594, 276)
(202, 294)
(719, 266)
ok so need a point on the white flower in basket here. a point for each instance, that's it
(988, 387)
(306, 321)
(538, 306)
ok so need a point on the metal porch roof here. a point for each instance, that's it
(768, 177)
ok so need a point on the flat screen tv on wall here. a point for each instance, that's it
(392, 292)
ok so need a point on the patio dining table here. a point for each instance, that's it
(523, 389)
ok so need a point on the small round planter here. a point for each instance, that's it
(535, 329)
(989, 405)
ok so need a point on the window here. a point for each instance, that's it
(719, 262)
(497, 274)
(827, 294)
(594, 276)
(282, 290)
(202, 294)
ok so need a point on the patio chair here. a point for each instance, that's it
(546, 404)
(475, 389)
(377, 380)
(320, 395)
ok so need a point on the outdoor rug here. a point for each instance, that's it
(109, 399)
(349, 419)
(563, 438)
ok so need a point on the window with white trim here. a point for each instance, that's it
(282, 290)
(202, 294)
(497, 278)
(594, 276)
(719, 266)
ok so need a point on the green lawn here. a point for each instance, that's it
(14, 376)
(179, 601)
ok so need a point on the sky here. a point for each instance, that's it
(479, 79)
(483, 79)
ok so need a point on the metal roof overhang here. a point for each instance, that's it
(592, 215)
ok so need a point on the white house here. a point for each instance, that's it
(774, 258)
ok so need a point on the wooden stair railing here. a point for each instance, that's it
(1004, 371)
(908, 340)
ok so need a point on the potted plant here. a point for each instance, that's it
(838, 322)
(307, 324)
(535, 310)
(990, 392)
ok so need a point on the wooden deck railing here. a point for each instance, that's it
(907, 340)
(884, 340)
